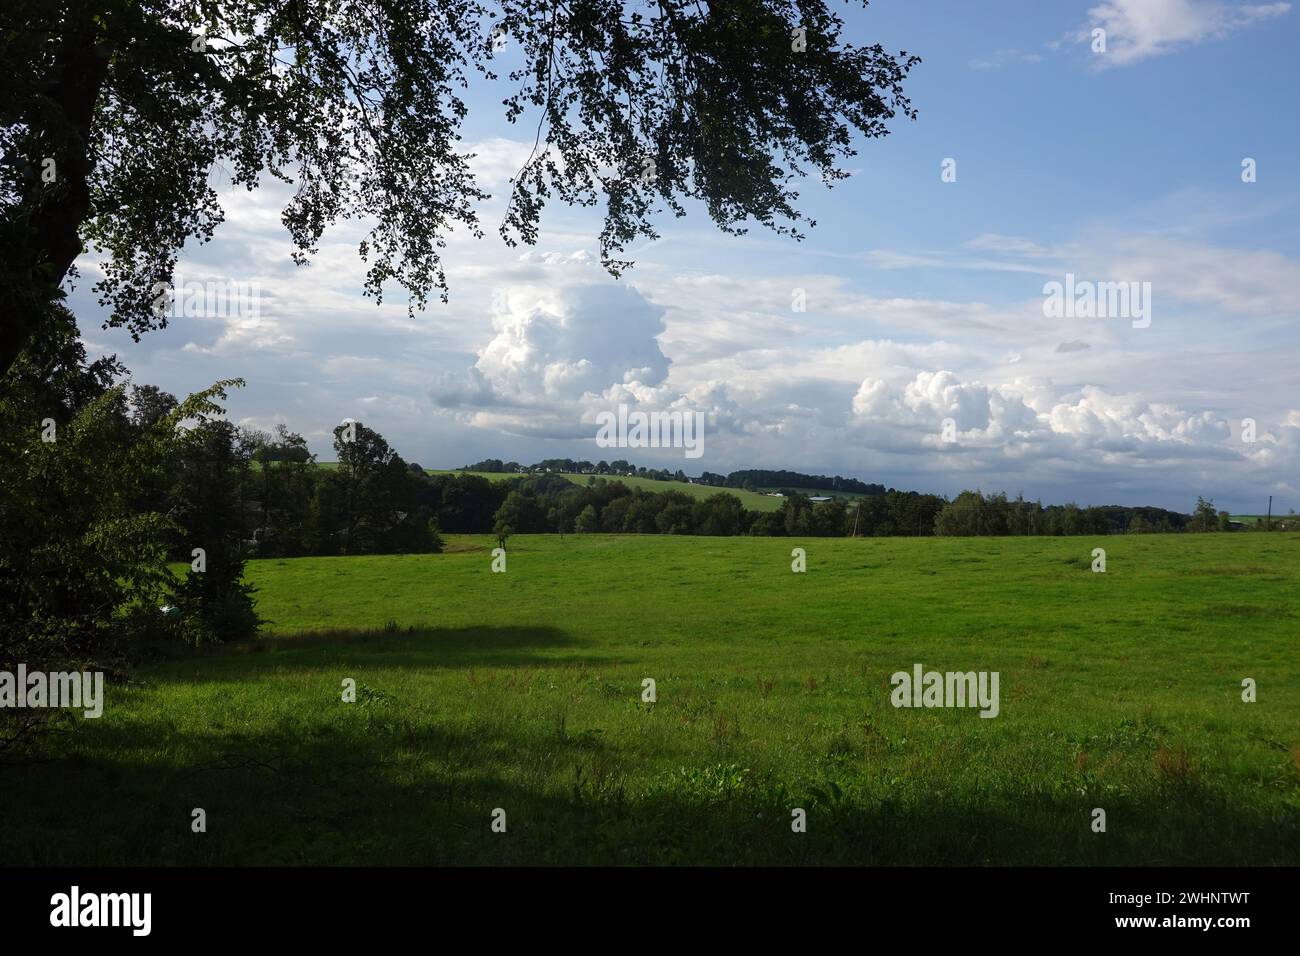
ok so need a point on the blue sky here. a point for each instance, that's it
(924, 298)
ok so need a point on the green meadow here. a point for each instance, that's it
(522, 692)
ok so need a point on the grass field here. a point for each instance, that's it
(522, 691)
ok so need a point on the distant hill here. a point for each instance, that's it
(756, 478)
(750, 479)
(752, 500)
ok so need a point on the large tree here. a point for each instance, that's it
(114, 113)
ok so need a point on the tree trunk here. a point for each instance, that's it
(39, 239)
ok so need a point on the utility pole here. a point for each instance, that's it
(1268, 522)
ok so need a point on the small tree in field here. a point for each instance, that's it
(1204, 517)
(587, 521)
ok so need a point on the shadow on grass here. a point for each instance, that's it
(362, 650)
(374, 789)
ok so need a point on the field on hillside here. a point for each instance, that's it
(522, 692)
(1280, 519)
(818, 492)
(749, 499)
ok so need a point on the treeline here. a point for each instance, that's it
(753, 479)
(572, 466)
(880, 511)
(974, 513)
(373, 501)
(303, 509)
(306, 511)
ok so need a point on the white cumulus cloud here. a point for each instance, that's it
(1139, 29)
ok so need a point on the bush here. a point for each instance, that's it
(83, 542)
